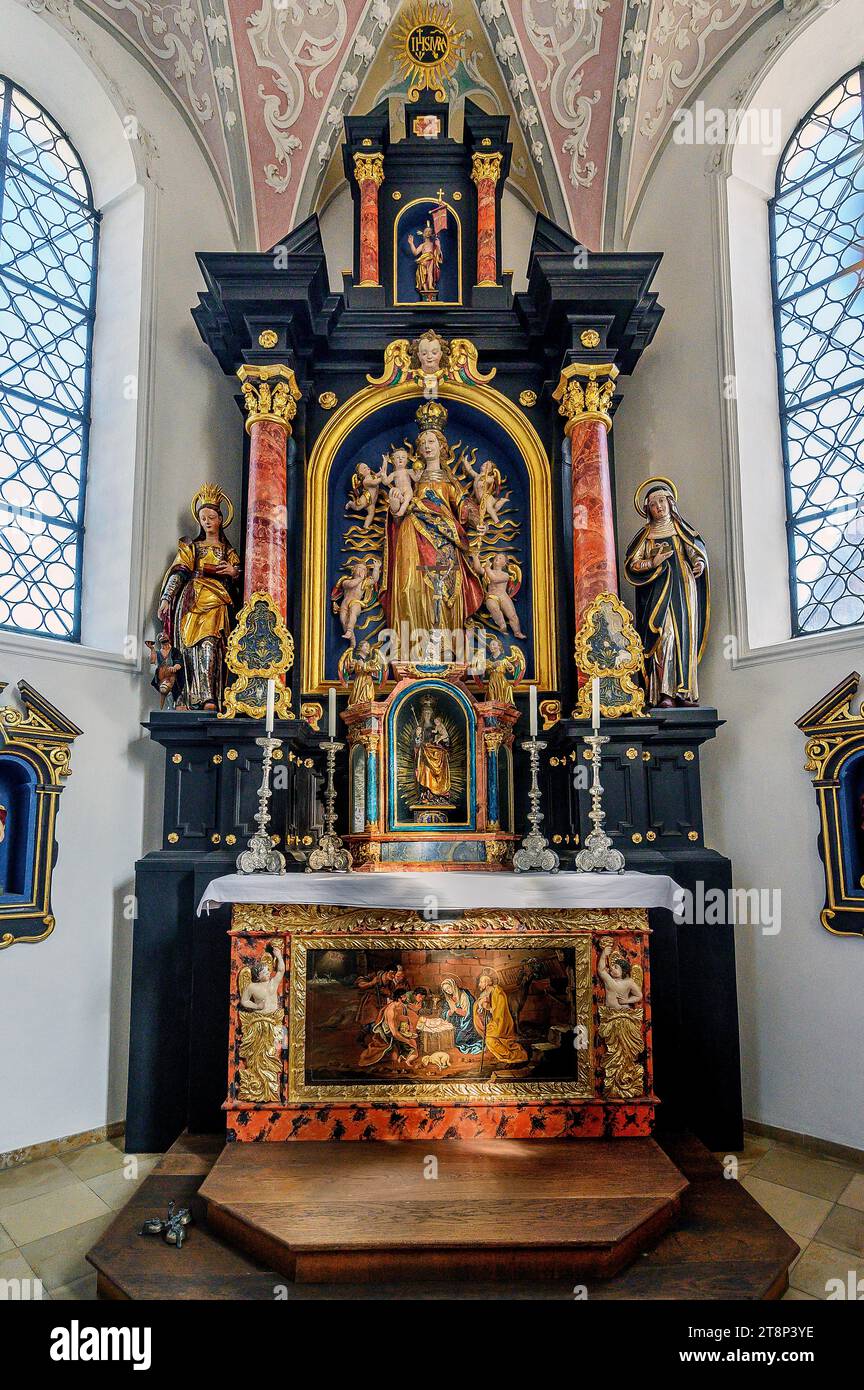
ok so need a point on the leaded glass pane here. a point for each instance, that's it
(817, 238)
(48, 251)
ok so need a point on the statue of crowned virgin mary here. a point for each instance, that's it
(430, 575)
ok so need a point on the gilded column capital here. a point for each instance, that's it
(485, 166)
(369, 168)
(584, 392)
(270, 393)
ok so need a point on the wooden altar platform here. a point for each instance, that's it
(411, 1209)
(724, 1246)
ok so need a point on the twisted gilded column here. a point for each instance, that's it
(369, 173)
(271, 395)
(584, 395)
(485, 173)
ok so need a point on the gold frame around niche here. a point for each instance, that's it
(315, 592)
(439, 1092)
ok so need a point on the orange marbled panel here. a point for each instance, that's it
(579, 1120)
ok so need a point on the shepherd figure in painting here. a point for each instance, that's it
(494, 1022)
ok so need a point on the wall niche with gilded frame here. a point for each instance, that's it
(35, 752)
(835, 756)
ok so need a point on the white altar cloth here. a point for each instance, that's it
(444, 892)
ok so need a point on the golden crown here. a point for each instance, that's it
(431, 415)
(211, 495)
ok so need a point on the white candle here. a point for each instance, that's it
(331, 721)
(532, 709)
(271, 701)
(595, 702)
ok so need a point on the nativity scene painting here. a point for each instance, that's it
(435, 1015)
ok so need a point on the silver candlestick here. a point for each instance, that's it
(598, 856)
(330, 854)
(261, 857)
(535, 856)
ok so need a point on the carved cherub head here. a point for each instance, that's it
(430, 353)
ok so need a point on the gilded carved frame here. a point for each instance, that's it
(482, 1092)
(497, 407)
(39, 739)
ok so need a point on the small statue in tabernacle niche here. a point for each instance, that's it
(198, 596)
(621, 1018)
(499, 669)
(261, 1023)
(168, 676)
(428, 260)
(432, 755)
(361, 668)
(667, 563)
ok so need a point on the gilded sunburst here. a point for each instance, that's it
(427, 47)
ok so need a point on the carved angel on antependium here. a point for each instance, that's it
(355, 591)
(621, 1018)
(361, 668)
(261, 1020)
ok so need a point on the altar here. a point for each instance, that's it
(475, 1022)
(440, 1005)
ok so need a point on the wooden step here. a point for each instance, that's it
(499, 1210)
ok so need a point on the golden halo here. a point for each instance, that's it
(650, 484)
(211, 495)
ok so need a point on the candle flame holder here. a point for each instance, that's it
(535, 856)
(330, 854)
(260, 856)
(598, 855)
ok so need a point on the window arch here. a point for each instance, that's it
(816, 221)
(49, 233)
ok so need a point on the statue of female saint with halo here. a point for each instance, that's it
(197, 598)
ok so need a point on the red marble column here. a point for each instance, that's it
(485, 171)
(586, 404)
(369, 173)
(271, 395)
(595, 570)
(266, 513)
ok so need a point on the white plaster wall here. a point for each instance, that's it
(800, 991)
(64, 1003)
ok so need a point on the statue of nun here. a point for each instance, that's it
(668, 566)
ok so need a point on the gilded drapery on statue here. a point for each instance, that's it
(197, 599)
(429, 579)
(667, 564)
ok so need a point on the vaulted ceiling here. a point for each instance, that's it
(591, 86)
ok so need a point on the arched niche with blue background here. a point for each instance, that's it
(834, 727)
(35, 750)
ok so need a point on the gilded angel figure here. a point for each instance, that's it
(261, 1021)
(500, 669)
(621, 1018)
(353, 592)
(362, 668)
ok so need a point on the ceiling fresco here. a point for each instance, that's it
(591, 87)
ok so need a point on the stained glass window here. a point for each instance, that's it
(48, 250)
(817, 254)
